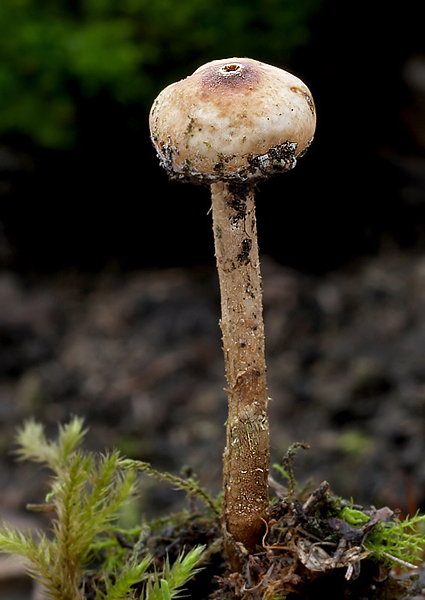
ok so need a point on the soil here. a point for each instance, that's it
(138, 355)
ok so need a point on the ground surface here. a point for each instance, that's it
(139, 356)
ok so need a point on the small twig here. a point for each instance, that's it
(404, 563)
(266, 532)
(309, 535)
(314, 498)
(280, 489)
(273, 546)
(253, 589)
(41, 508)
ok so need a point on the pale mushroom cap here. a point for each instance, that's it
(233, 119)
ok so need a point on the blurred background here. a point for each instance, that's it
(108, 296)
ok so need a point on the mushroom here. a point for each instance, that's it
(230, 124)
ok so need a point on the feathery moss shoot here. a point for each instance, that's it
(87, 492)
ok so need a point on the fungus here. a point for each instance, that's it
(230, 124)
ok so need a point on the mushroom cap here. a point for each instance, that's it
(235, 119)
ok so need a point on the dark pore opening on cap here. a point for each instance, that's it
(231, 76)
(230, 68)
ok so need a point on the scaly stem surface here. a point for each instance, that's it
(246, 456)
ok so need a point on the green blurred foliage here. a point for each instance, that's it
(56, 54)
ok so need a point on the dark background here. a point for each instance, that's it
(79, 181)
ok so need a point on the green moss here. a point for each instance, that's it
(86, 495)
(93, 549)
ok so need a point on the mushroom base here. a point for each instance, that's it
(246, 456)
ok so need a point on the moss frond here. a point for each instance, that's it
(35, 552)
(87, 491)
(102, 490)
(34, 446)
(398, 541)
(131, 574)
(189, 485)
(169, 584)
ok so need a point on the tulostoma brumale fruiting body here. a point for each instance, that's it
(230, 124)
(235, 119)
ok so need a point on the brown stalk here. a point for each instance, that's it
(246, 456)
